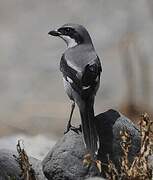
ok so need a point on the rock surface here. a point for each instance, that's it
(150, 161)
(9, 167)
(36, 164)
(64, 161)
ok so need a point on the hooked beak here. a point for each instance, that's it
(54, 33)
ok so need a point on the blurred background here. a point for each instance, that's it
(33, 104)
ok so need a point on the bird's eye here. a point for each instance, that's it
(67, 30)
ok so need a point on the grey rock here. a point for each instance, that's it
(64, 161)
(36, 165)
(95, 178)
(9, 167)
(150, 161)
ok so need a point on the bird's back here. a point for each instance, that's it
(78, 57)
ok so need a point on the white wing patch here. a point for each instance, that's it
(85, 87)
(69, 80)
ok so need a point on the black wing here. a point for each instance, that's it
(67, 71)
(91, 73)
(91, 78)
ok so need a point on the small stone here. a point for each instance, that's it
(10, 169)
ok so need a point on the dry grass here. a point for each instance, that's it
(88, 160)
(139, 169)
(27, 172)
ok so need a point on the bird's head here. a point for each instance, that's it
(72, 34)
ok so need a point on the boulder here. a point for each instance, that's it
(65, 159)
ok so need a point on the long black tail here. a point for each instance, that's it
(88, 127)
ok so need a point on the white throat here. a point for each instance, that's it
(69, 41)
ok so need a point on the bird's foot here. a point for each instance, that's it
(76, 129)
(73, 128)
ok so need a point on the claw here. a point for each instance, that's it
(73, 128)
(69, 126)
(76, 130)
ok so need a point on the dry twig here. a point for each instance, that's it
(27, 172)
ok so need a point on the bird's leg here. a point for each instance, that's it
(69, 126)
(70, 118)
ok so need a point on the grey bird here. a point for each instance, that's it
(81, 69)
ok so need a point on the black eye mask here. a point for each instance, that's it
(66, 31)
(72, 33)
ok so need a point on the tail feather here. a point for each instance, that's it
(89, 128)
